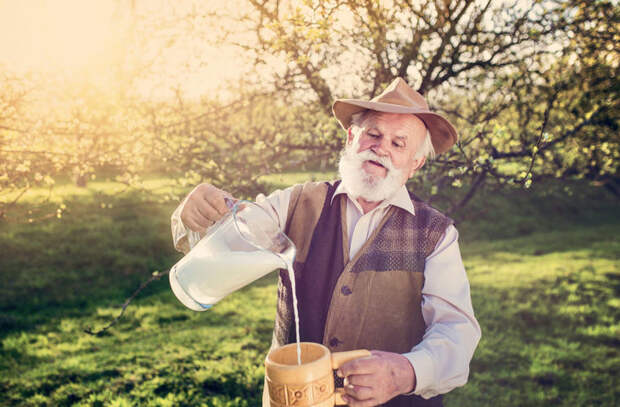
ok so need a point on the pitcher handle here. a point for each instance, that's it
(338, 358)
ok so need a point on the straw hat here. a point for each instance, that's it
(399, 97)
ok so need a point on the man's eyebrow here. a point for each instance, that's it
(403, 138)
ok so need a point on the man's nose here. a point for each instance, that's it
(379, 147)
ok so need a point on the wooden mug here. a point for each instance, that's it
(310, 384)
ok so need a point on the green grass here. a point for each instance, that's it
(543, 268)
(65, 188)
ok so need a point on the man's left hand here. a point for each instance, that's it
(376, 379)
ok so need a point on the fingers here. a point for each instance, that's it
(193, 218)
(376, 379)
(359, 387)
(359, 393)
(214, 198)
(364, 380)
(203, 207)
(359, 379)
(358, 367)
(194, 221)
(206, 210)
(200, 218)
(192, 225)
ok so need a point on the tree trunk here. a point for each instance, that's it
(81, 180)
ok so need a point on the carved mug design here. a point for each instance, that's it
(310, 384)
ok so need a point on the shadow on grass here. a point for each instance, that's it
(69, 387)
(90, 256)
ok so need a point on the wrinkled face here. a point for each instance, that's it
(394, 136)
(380, 155)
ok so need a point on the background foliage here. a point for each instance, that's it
(531, 85)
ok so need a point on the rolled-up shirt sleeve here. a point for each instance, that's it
(277, 203)
(183, 238)
(441, 360)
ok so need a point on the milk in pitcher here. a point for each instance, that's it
(242, 247)
(202, 279)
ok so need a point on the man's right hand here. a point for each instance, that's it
(204, 206)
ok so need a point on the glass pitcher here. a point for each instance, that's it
(246, 244)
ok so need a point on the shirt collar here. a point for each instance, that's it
(400, 199)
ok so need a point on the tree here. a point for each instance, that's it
(532, 87)
(527, 84)
(233, 145)
(21, 165)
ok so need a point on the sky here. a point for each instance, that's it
(80, 40)
(49, 35)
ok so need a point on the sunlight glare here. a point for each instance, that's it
(50, 35)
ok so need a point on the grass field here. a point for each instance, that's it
(543, 266)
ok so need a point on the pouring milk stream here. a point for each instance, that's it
(243, 246)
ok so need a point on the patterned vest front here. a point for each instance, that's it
(372, 301)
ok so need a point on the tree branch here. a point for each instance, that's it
(155, 276)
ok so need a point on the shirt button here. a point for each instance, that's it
(345, 290)
(333, 342)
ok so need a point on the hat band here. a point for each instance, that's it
(400, 102)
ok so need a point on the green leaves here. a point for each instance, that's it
(528, 88)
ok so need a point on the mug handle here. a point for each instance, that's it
(338, 358)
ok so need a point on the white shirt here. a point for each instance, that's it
(441, 359)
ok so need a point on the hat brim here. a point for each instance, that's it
(443, 134)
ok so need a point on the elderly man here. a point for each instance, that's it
(375, 268)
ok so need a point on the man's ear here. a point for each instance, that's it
(419, 164)
(350, 136)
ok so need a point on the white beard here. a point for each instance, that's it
(361, 184)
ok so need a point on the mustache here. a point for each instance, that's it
(369, 155)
